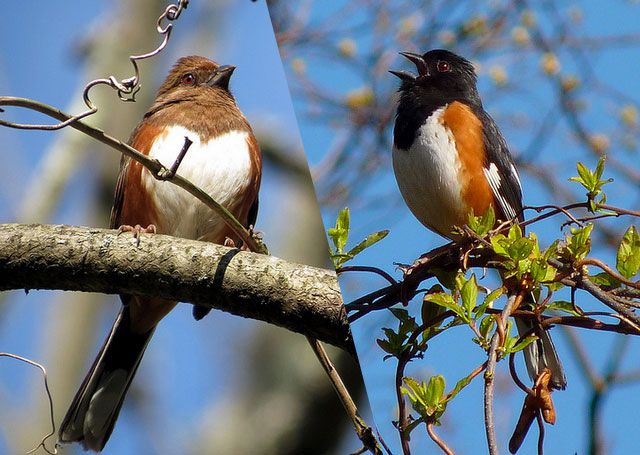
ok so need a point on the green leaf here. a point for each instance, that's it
(481, 225)
(536, 247)
(371, 239)
(486, 325)
(600, 167)
(400, 313)
(340, 233)
(488, 300)
(500, 243)
(413, 390)
(416, 392)
(469, 295)
(515, 232)
(385, 346)
(554, 286)
(435, 390)
(628, 258)
(509, 341)
(605, 280)
(586, 176)
(520, 249)
(578, 243)
(407, 323)
(592, 181)
(551, 251)
(461, 384)
(447, 277)
(542, 271)
(563, 306)
(446, 300)
(520, 345)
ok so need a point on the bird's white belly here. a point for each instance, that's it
(428, 175)
(221, 167)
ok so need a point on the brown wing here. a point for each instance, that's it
(256, 177)
(131, 204)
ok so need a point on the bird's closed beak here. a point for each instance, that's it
(221, 76)
(417, 60)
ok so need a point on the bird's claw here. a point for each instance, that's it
(137, 230)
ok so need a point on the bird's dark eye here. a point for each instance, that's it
(443, 67)
(188, 79)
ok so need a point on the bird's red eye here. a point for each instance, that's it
(188, 79)
(443, 67)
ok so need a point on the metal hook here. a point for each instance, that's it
(126, 89)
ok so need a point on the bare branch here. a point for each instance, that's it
(496, 341)
(364, 431)
(434, 436)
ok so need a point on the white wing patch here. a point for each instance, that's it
(514, 172)
(493, 177)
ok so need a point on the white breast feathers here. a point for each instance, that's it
(220, 166)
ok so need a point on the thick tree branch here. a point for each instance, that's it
(297, 297)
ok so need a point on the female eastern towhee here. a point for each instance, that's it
(224, 160)
(450, 159)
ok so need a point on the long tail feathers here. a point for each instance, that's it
(541, 354)
(94, 410)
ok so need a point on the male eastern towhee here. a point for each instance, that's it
(450, 159)
(224, 160)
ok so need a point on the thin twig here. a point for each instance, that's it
(489, 376)
(364, 432)
(364, 268)
(403, 359)
(610, 271)
(540, 423)
(586, 284)
(49, 398)
(432, 434)
(403, 416)
(514, 373)
(171, 172)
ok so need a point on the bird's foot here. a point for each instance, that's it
(229, 242)
(137, 231)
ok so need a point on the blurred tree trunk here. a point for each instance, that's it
(285, 399)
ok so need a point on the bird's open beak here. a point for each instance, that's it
(417, 60)
(221, 77)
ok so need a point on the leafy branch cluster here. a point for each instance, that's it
(458, 299)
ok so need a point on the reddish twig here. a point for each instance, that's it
(435, 438)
